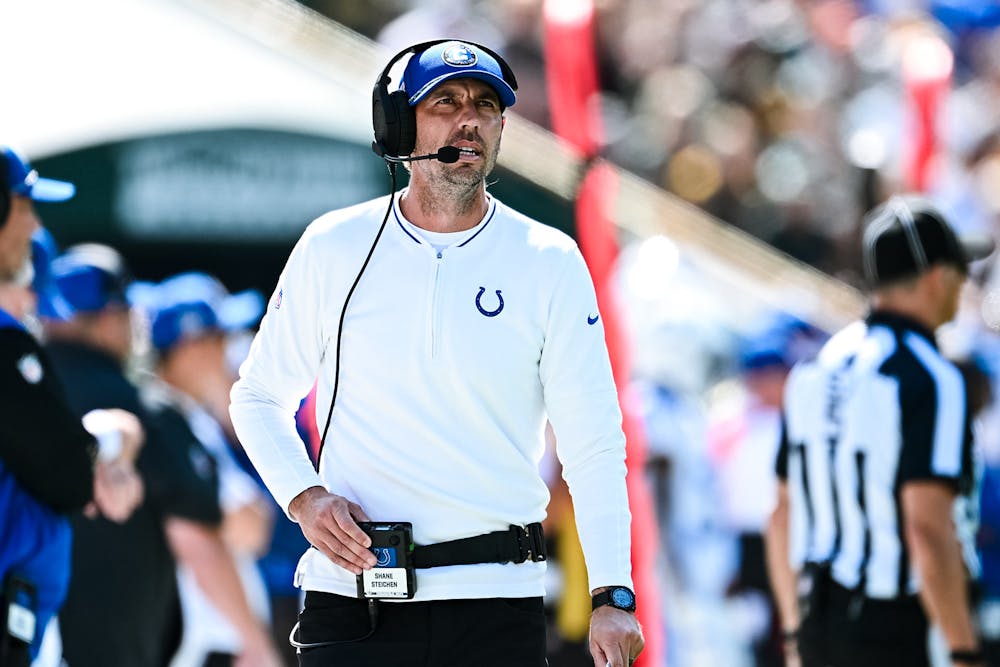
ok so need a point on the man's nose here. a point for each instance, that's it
(468, 115)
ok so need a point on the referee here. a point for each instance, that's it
(877, 461)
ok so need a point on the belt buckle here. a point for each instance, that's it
(530, 542)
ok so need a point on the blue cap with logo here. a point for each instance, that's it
(91, 277)
(51, 303)
(24, 181)
(194, 304)
(453, 60)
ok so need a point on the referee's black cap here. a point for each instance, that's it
(907, 235)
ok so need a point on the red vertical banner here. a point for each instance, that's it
(927, 67)
(573, 94)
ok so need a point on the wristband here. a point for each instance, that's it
(790, 635)
(968, 656)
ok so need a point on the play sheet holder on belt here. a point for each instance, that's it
(394, 575)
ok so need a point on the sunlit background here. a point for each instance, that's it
(749, 135)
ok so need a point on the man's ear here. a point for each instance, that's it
(937, 276)
(503, 122)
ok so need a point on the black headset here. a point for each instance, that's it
(4, 190)
(393, 119)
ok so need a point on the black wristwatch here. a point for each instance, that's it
(618, 597)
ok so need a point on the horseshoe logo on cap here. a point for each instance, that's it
(479, 305)
(459, 55)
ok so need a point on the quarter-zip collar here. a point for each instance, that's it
(416, 235)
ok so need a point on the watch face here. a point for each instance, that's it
(622, 598)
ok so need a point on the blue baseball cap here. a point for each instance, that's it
(194, 304)
(24, 181)
(51, 303)
(764, 353)
(92, 277)
(453, 60)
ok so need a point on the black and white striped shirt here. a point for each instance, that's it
(878, 407)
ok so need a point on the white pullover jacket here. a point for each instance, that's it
(451, 362)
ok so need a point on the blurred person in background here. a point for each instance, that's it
(985, 591)
(51, 463)
(122, 607)
(189, 315)
(678, 364)
(975, 340)
(743, 437)
(282, 553)
(878, 464)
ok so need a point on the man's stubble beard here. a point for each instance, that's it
(467, 180)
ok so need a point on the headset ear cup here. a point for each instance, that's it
(380, 123)
(406, 122)
(393, 121)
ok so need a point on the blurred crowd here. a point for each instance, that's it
(785, 118)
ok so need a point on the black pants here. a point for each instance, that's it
(493, 632)
(813, 640)
(753, 576)
(866, 632)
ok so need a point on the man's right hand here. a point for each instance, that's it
(329, 522)
(118, 491)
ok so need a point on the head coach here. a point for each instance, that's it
(444, 329)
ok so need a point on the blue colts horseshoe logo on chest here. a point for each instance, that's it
(479, 303)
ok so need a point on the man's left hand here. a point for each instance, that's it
(615, 637)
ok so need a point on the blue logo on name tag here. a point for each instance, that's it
(386, 557)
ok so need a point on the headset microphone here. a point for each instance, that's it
(446, 154)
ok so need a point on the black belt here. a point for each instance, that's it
(517, 544)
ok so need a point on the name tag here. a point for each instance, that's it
(385, 582)
(393, 575)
